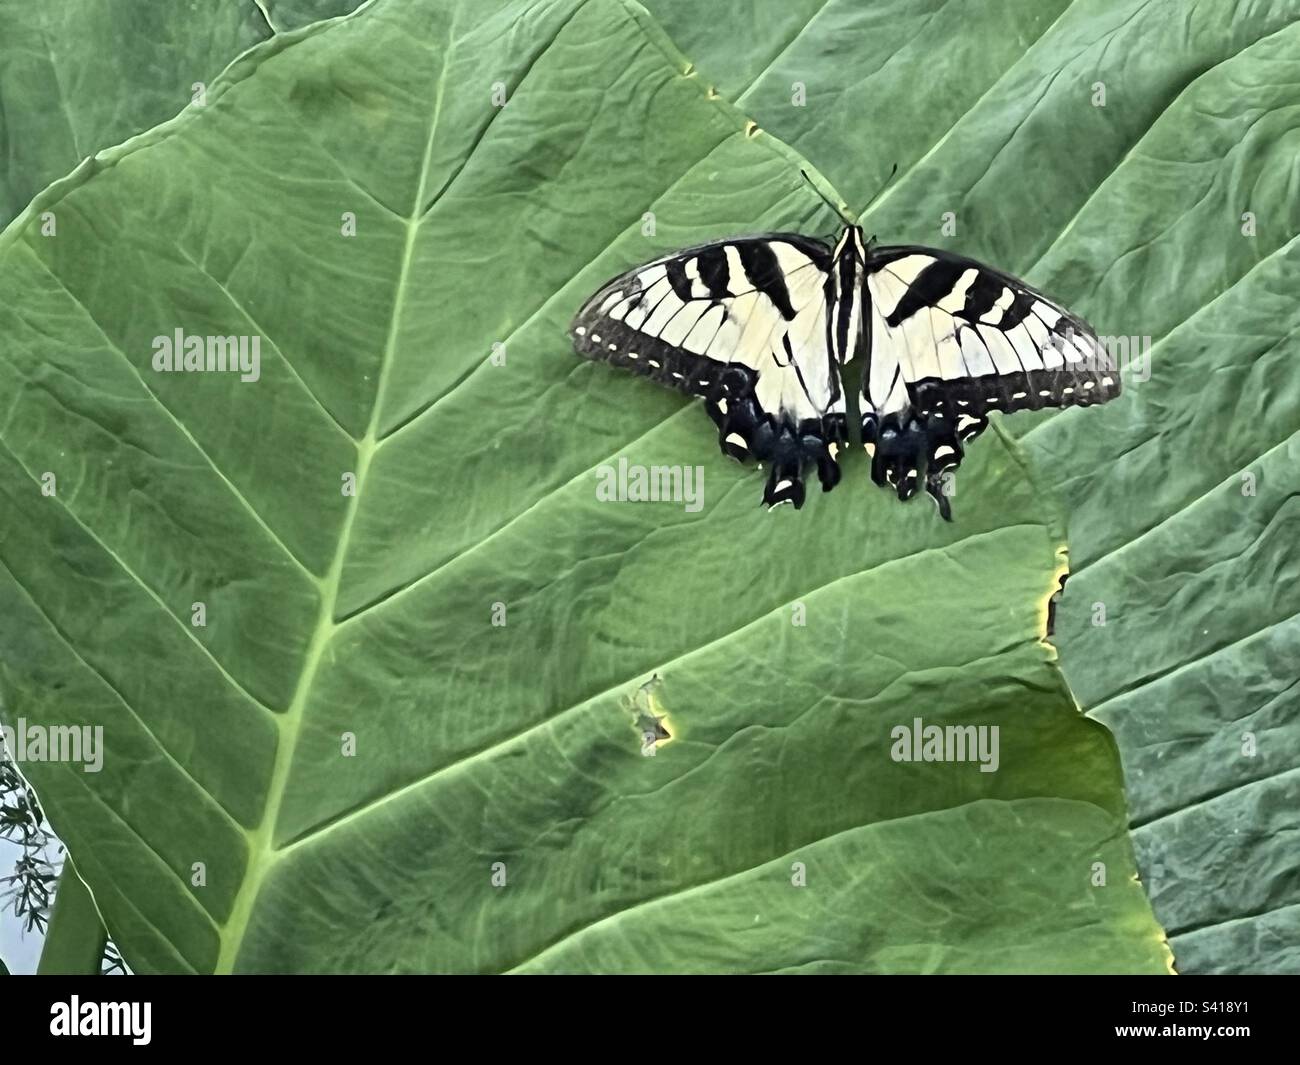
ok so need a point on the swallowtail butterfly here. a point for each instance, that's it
(760, 327)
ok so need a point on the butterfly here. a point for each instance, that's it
(762, 326)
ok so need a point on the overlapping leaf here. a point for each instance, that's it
(78, 76)
(1179, 629)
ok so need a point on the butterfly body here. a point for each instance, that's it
(762, 327)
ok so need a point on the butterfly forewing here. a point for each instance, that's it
(951, 340)
(754, 325)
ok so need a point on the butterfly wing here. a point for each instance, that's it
(950, 340)
(755, 325)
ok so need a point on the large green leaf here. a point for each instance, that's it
(789, 645)
(1132, 212)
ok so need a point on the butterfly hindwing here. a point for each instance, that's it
(951, 340)
(758, 327)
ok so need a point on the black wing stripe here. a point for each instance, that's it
(676, 269)
(764, 273)
(930, 286)
(1019, 310)
(714, 271)
(980, 297)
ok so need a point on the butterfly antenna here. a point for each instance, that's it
(883, 185)
(841, 213)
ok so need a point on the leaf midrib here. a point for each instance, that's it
(262, 852)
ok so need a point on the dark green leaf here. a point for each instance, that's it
(77, 76)
(74, 942)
